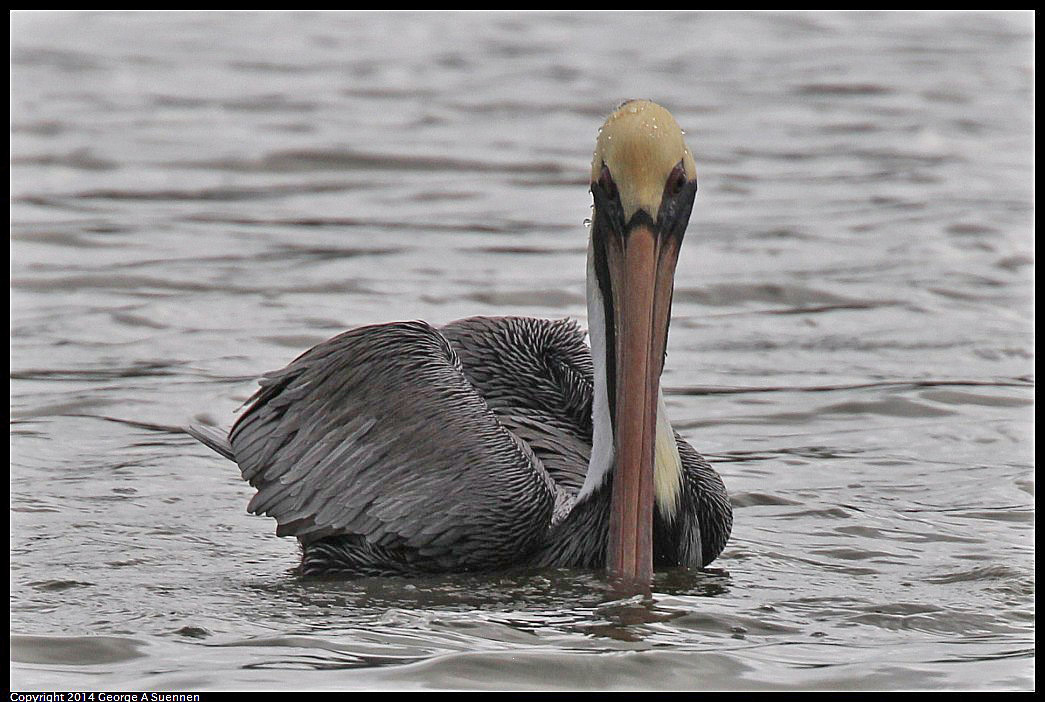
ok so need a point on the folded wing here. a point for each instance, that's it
(378, 433)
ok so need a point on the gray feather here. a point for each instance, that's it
(356, 436)
(400, 448)
(211, 438)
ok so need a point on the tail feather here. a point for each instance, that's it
(212, 438)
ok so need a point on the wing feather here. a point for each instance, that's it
(536, 376)
(377, 432)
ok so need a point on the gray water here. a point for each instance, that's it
(197, 198)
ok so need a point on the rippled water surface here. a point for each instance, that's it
(198, 198)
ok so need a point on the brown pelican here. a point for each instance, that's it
(495, 442)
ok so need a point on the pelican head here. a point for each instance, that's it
(643, 183)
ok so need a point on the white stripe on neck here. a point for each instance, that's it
(601, 426)
(667, 464)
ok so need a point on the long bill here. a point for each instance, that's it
(642, 267)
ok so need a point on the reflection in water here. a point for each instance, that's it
(511, 610)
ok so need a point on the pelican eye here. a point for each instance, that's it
(676, 181)
(607, 184)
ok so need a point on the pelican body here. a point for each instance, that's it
(499, 442)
